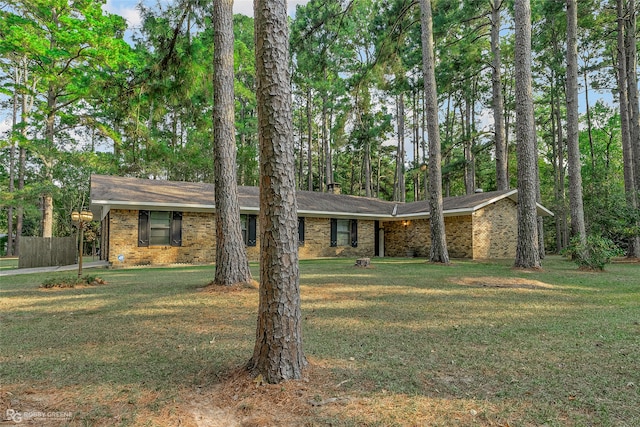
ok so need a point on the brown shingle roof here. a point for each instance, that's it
(457, 203)
(136, 193)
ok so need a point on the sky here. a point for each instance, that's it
(127, 8)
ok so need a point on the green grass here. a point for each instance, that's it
(8, 263)
(410, 343)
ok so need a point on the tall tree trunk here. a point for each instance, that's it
(22, 160)
(555, 161)
(399, 190)
(366, 165)
(502, 180)
(527, 249)
(325, 139)
(278, 353)
(562, 204)
(438, 252)
(629, 168)
(592, 155)
(423, 143)
(12, 165)
(301, 154)
(576, 207)
(416, 148)
(232, 266)
(309, 141)
(47, 197)
(469, 169)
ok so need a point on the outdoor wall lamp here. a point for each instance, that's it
(82, 218)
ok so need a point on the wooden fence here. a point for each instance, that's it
(47, 251)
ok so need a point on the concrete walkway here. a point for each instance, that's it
(85, 265)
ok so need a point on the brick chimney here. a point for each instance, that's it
(333, 188)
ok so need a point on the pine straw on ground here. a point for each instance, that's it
(500, 282)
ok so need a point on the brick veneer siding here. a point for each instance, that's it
(318, 238)
(489, 232)
(495, 230)
(414, 239)
(198, 241)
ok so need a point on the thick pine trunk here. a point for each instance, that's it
(502, 178)
(527, 249)
(278, 351)
(438, 252)
(576, 207)
(232, 266)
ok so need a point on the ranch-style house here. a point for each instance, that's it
(157, 222)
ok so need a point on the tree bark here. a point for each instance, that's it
(309, 141)
(502, 179)
(278, 353)
(527, 250)
(576, 207)
(438, 251)
(12, 164)
(400, 188)
(469, 161)
(232, 266)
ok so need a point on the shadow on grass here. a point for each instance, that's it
(404, 334)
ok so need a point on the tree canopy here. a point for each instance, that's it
(77, 98)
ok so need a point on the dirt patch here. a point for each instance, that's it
(240, 400)
(625, 260)
(501, 282)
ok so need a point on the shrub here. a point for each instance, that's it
(72, 282)
(594, 254)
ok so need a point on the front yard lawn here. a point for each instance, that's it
(402, 343)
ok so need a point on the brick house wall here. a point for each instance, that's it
(198, 241)
(318, 239)
(490, 232)
(495, 230)
(414, 238)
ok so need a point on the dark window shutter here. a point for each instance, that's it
(334, 232)
(176, 229)
(354, 233)
(143, 228)
(301, 231)
(251, 225)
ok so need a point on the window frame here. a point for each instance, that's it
(249, 230)
(145, 228)
(352, 229)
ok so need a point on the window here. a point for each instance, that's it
(159, 228)
(300, 231)
(344, 232)
(248, 225)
